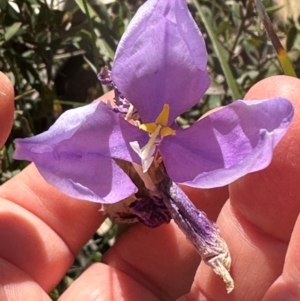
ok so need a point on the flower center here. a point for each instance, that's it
(155, 129)
(159, 127)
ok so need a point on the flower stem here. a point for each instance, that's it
(203, 233)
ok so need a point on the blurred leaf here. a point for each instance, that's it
(214, 101)
(274, 9)
(90, 11)
(12, 31)
(281, 53)
(3, 4)
(105, 49)
(223, 27)
(215, 89)
(291, 38)
(11, 14)
(236, 9)
(220, 51)
(91, 65)
(118, 26)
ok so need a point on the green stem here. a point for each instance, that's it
(94, 37)
(220, 52)
(283, 58)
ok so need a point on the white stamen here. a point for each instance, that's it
(135, 146)
(129, 112)
(146, 154)
(146, 163)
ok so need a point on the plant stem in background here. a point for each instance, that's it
(220, 51)
(281, 53)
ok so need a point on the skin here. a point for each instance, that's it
(41, 230)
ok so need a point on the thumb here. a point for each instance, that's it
(6, 107)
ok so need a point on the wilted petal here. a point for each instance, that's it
(75, 154)
(152, 212)
(161, 53)
(203, 233)
(227, 144)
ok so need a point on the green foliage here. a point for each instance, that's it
(240, 52)
(281, 53)
(205, 16)
(52, 57)
(37, 40)
(290, 33)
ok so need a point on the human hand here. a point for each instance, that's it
(41, 230)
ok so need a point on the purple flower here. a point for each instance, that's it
(94, 153)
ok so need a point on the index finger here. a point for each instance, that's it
(258, 220)
(47, 225)
(6, 107)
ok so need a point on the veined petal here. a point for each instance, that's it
(89, 177)
(227, 144)
(75, 154)
(161, 59)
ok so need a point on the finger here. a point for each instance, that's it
(23, 288)
(73, 220)
(275, 189)
(162, 260)
(46, 225)
(208, 200)
(118, 286)
(56, 225)
(6, 107)
(286, 287)
(107, 97)
(262, 211)
(73, 224)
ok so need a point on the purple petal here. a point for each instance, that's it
(227, 144)
(161, 60)
(91, 178)
(75, 154)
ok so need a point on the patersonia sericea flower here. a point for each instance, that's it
(132, 154)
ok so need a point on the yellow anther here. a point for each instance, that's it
(162, 121)
(163, 117)
(166, 131)
(148, 127)
(157, 128)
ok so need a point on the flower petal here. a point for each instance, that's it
(75, 154)
(161, 59)
(227, 144)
